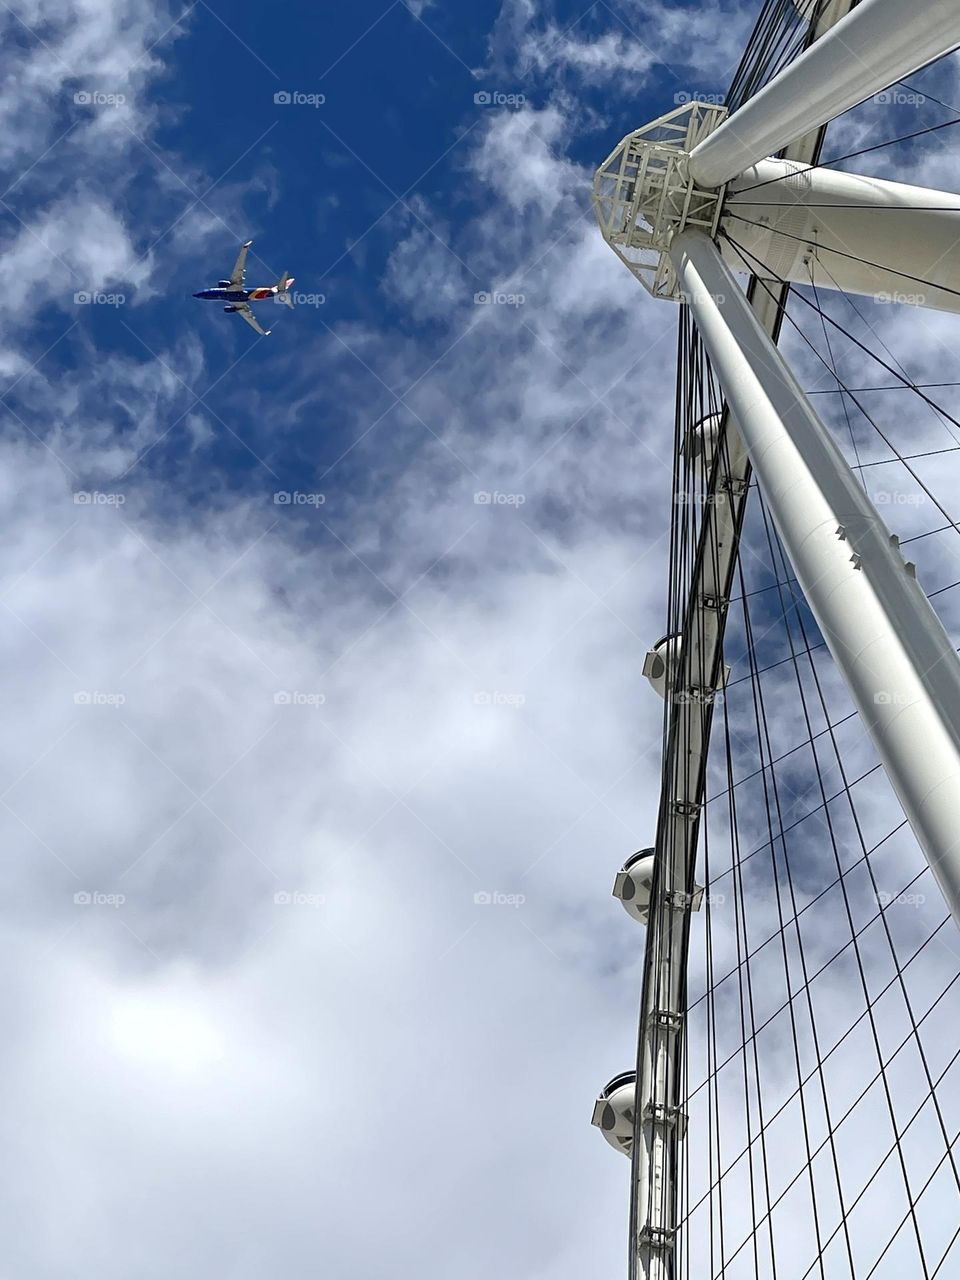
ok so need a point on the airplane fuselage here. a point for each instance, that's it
(236, 295)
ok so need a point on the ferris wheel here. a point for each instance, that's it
(794, 1109)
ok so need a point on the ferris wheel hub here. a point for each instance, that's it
(643, 194)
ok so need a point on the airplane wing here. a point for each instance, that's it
(240, 267)
(247, 314)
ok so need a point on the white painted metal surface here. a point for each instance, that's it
(912, 234)
(874, 46)
(885, 637)
(642, 193)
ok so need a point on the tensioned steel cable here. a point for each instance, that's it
(907, 1004)
(750, 1070)
(851, 303)
(751, 262)
(852, 155)
(912, 1209)
(861, 968)
(810, 978)
(862, 409)
(781, 33)
(838, 253)
(841, 1040)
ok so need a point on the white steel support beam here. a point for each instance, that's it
(876, 44)
(887, 641)
(842, 231)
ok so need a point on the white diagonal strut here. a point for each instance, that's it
(875, 45)
(885, 637)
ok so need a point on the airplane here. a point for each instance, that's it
(232, 291)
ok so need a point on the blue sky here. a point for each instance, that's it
(324, 191)
(312, 809)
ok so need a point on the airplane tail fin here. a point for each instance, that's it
(283, 290)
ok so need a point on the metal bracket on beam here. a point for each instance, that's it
(665, 1020)
(657, 1237)
(682, 901)
(698, 693)
(669, 1117)
(685, 809)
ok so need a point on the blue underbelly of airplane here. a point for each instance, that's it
(224, 295)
